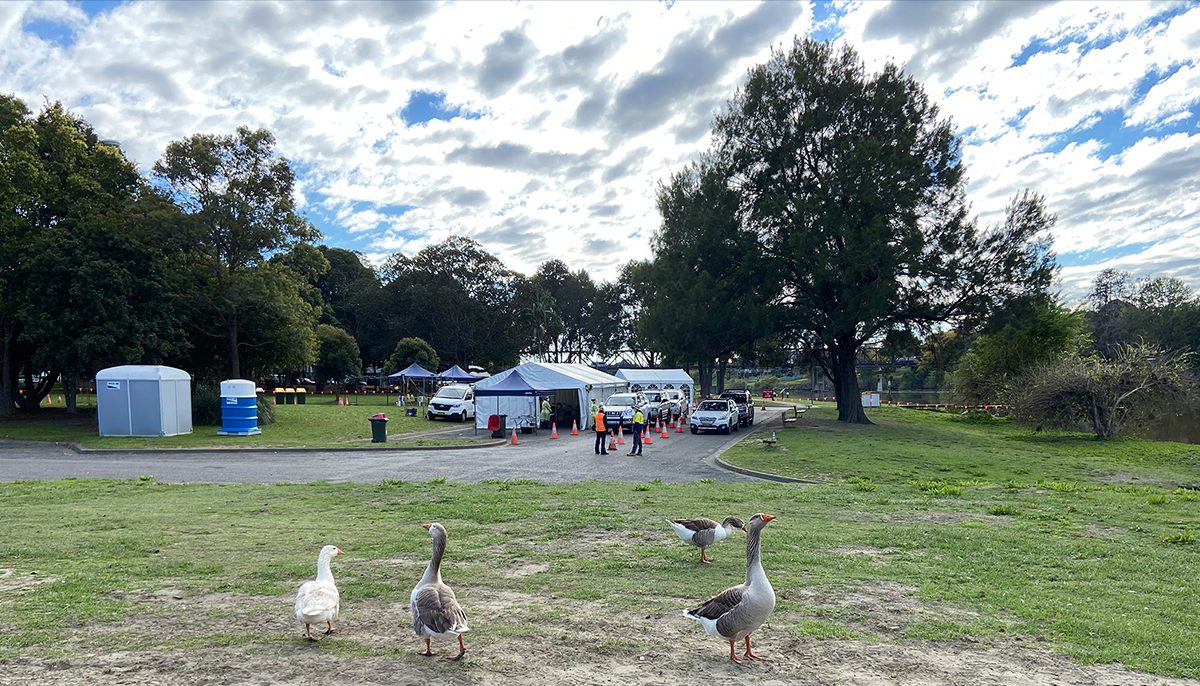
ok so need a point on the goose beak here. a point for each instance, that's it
(745, 529)
(339, 552)
(768, 517)
(426, 526)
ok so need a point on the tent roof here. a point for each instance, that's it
(549, 376)
(413, 371)
(142, 372)
(656, 376)
(512, 384)
(457, 373)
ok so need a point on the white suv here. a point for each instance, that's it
(456, 401)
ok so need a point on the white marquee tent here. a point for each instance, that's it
(646, 379)
(573, 386)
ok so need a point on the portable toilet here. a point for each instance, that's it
(143, 400)
(239, 408)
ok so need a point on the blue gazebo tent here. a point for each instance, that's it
(457, 374)
(412, 372)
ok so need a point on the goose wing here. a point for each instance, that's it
(720, 605)
(702, 531)
(316, 601)
(435, 608)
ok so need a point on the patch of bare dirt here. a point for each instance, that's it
(857, 550)
(525, 639)
(14, 581)
(1101, 531)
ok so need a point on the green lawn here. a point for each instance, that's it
(914, 445)
(316, 424)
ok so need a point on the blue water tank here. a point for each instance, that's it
(239, 408)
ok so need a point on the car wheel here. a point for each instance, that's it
(728, 429)
(694, 431)
(736, 427)
(462, 416)
(429, 416)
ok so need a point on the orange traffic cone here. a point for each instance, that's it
(665, 435)
(620, 435)
(553, 430)
(646, 436)
(679, 426)
(574, 427)
(612, 441)
(514, 436)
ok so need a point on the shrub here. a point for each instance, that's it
(940, 488)
(1184, 537)
(266, 411)
(206, 406)
(1003, 511)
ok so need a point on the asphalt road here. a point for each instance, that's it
(681, 458)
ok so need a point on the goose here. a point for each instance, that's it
(738, 611)
(318, 601)
(704, 532)
(435, 611)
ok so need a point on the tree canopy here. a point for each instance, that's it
(853, 183)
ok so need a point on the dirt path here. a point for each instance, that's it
(210, 639)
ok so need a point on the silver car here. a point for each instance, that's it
(715, 415)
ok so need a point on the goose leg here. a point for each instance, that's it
(750, 654)
(732, 656)
(704, 558)
(330, 629)
(428, 651)
(462, 650)
(308, 633)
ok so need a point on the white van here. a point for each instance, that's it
(456, 401)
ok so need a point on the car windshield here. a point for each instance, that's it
(653, 397)
(714, 405)
(621, 400)
(452, 393)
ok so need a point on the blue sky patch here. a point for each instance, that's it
(94, 8)
(424, 106)
(51, 32)
(1084, 257)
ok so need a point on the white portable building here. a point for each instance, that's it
(143, 400)
(572, 386)
(657, 379)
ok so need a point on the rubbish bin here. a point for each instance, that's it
(279, 397)
(239, 408)
(379, 428)
(497, 425)
(300, 395)
(289, 396)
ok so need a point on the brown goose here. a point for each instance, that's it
(740, 610)
(435, 611)
(703, 532)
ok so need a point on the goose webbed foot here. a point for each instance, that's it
(750, 654)
(330, 630)
(428, 651)
(308, 633)
(732, 655)
(462, 650)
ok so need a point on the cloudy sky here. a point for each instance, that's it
(541, 129)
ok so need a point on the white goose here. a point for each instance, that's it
(739, 611)
(703, 532)
(318, 601)
(435, 611)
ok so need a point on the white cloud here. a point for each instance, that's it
(584, 107)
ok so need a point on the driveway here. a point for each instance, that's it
(680, 458)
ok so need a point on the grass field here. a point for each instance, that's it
(316, 424)
(991, 548)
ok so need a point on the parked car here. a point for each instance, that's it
(745, 405)
(456, 401)
(677, 400)
(618, 409)
(768, 394)
(720, 414)
(661, 405)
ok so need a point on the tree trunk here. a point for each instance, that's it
(69, 394)
(7, 389)
(235, 365)
(704, 371)
(721, 375)
(845, 383)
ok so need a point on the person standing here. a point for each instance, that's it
(545, 413)
(594, 406)
(639, 425)
(601, 432)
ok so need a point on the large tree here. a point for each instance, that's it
(238, 191)
(854, 184)
(708, 281)
(569, 332)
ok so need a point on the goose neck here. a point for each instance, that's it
(433, 572)
(754, 566)
(323, 571)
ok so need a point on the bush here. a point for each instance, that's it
(206, 406)
(266, 411)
